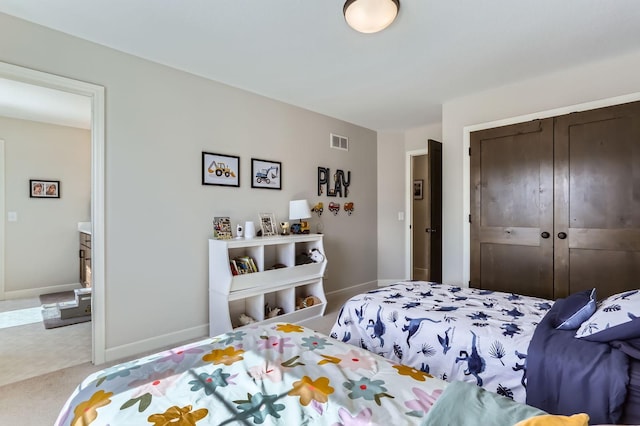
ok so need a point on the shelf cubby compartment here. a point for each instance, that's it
(283, 299)
(278, 254)
(307, 290)
(256, 253)
(306, 246)
(252, 306)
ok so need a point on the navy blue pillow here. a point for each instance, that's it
(575, 309)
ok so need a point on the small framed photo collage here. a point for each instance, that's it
(39, 188)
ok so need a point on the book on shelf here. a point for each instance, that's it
(243, 268)
(233, 267)
(245, 265)
(253, 264)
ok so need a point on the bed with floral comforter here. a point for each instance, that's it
(453, 333)
(275, 374)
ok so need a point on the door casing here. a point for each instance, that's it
(96, 94)
(409, 211)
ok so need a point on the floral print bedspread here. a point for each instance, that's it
(282, 374)
(453, 333)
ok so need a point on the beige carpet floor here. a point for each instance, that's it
(38, 400)
(30, 350)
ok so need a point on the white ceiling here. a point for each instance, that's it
(36, 103)
(302, 52)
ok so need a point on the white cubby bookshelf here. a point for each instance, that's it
(232, 295)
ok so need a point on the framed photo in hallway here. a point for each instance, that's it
(44, 188)
(417, 189)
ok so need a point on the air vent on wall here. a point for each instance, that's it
(339, 142)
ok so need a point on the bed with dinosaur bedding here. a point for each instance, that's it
(487, 338)
(281, 374)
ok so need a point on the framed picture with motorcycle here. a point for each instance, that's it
(266, 174)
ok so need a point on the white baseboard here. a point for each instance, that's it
(384, 283)
(352, 291)
(156, 343)
(169, 340)
(35, 292)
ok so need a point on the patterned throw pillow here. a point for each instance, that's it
(617, 318)
(575, 309)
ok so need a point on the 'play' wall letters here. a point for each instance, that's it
(340, 182)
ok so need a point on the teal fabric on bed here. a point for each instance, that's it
(465, 404)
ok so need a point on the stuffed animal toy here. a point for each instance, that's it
(245, 319)
(316, 256)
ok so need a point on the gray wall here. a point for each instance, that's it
(42, 246)
(393, 192)
(159, 216)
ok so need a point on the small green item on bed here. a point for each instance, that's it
(465, 404)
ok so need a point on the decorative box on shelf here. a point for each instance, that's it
(279, 290)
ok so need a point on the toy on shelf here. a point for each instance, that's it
(285, 228)
(307, 301)
(245, 319)
(270, 312)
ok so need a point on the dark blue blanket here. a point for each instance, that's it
(566, 375)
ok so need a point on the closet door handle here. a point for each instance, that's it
(545, 234)
(562, 235)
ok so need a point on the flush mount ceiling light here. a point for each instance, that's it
(370, 16)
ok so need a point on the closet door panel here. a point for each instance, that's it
(610, 272)
(512, 208)
(597, 200)
(506, 267)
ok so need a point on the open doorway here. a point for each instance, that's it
(424, 207)
(95, 95)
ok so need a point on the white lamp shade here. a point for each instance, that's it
(370, 16)
(299, 209)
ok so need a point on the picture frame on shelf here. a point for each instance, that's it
(266, 174)
(268, 224)
(220, 169)
(40, 188)
(222, 228)
(417, 189)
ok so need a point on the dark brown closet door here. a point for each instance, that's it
(597, 200)
(512, 208)
(435, 206)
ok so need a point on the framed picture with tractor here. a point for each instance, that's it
(266, 174)
(219, 169)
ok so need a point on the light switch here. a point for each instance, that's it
(12, 216)
(400, 215)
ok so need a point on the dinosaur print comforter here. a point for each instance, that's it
(281, 374)
(453, 333)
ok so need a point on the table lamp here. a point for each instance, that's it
(298, 210)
